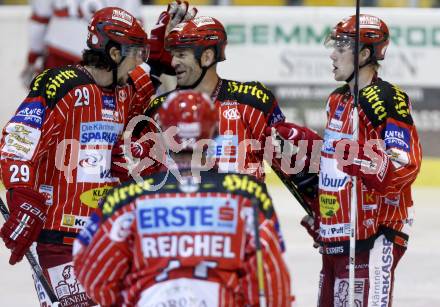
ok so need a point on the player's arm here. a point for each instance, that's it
(29, 134)
(293, 151)
(392, 161)
(275, 272)
(143, 87)
(160, 59)
(102, 255)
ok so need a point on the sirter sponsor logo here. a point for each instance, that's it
(237, 183)
(121, 194)
(249, 89)
(372, 96)
(55, 82)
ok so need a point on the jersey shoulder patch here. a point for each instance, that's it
(249, 187)
(381, 100)
(54, 84)
(156, 103)
(253, 93)
(124, 194)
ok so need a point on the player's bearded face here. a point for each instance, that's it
(342, 61)
(186, 66)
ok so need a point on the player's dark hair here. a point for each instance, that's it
(98, 59)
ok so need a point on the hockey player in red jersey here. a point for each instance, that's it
(192, 242)
(385, 159)
(246, 110)
(58, 31)
(56, 149)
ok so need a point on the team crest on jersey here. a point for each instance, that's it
(122, 95)
(231, 114)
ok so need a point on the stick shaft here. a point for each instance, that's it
(353, 200)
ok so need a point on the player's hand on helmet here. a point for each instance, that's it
(27, 217)
(33, 67)
(368, 161)
(179, 12)
(176, 13)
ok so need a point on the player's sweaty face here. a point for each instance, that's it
(186, 66)
(342, 60)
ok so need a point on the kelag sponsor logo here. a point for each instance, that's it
(178, 215)
(99, 133)
(396, 136)
(277, 116)
(31, 114)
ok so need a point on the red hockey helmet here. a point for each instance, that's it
(199, 34)
(192, 112)
(117, 25)
(373, 32)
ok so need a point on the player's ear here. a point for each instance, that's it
(364, 55)
(208, 57)
(115, 54)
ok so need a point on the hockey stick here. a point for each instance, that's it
(293, 189)
(353, 200)
(259, 255)
(35, 266)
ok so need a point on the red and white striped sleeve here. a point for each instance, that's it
(276, 274)
(403, 147)
(144, 90)
(102, 265)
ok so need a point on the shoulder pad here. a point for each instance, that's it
(54, 84)
(251, 188)
(381, 100)
(156, 103)
(255, 94)
(124, 194)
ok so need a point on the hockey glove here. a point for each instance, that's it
(298, 143)
(312, 228)
(140, 160)
(176, 13)
(27, 217)
(368, 161)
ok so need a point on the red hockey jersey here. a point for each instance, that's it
(245, 109)
(59, 142)
(192, 241)
(384, 114)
